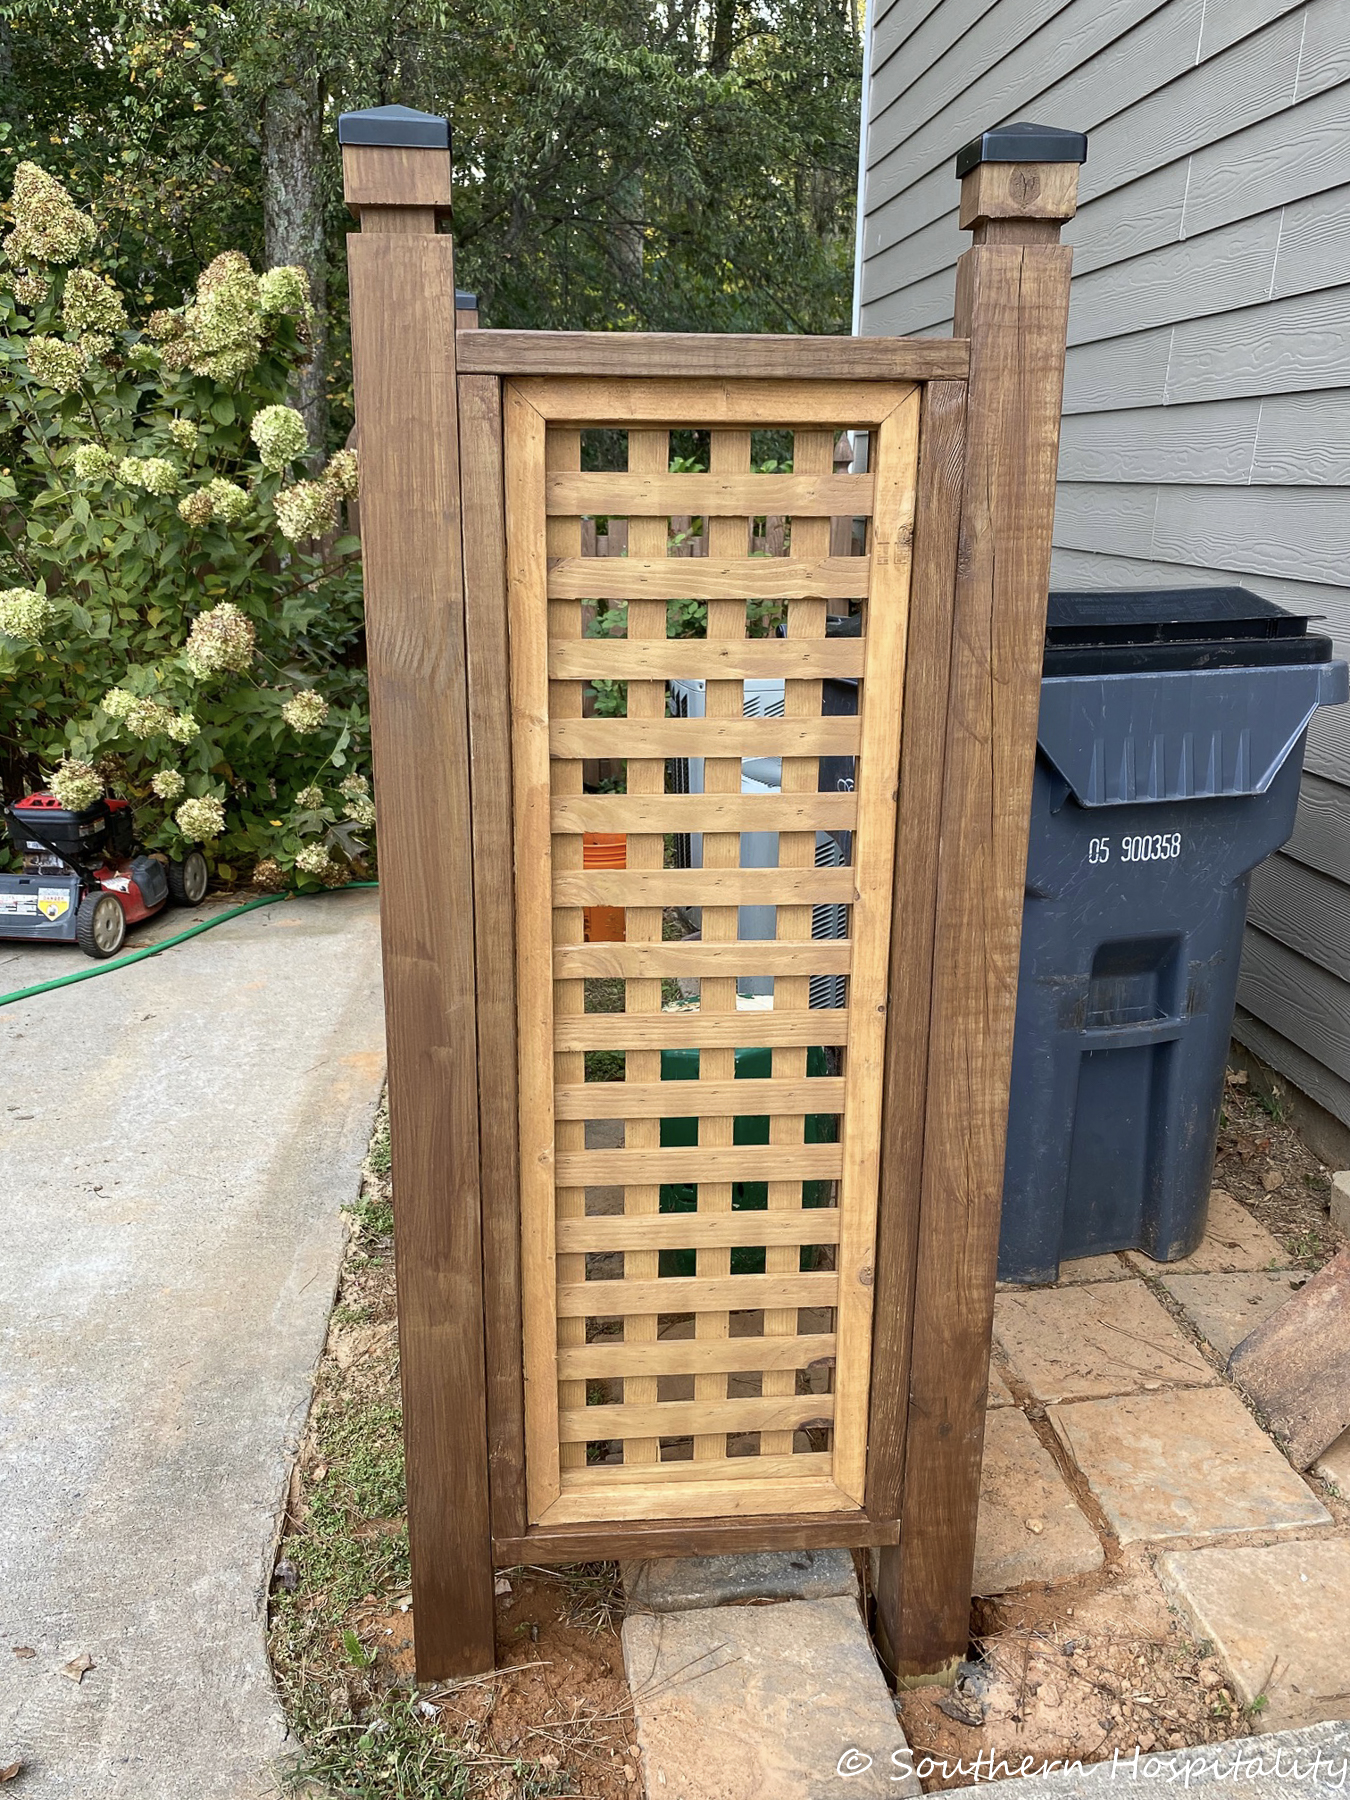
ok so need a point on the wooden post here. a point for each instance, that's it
(396, 168)
(1018, 184)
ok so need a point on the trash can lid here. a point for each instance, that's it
(1118, 631)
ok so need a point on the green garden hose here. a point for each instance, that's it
(122, 962)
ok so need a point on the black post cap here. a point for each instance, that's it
(398, 126)
(465, 301)
(1022, 142)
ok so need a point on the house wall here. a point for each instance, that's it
(1206, 426)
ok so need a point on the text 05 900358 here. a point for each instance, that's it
(1162, 846)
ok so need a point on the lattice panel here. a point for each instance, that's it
(700, 1142)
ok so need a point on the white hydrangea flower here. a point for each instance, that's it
(153, 473)
(353, 784)
(342, 473)
(93, 463)
(75, 784)
(313, 859)
(182, 728)
(197, 508)
(117, 702)
(92, 303)
(361, 809)
(25, 614)
(305, 712)
(201, 819)
(184, 434)
(167, 783)
(280, 434)
(57, 364)
(306, 509)
(147, 718)
(228, 501)
(285, 290)
(310, 798)
(221, 639)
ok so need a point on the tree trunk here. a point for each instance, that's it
(293, 211)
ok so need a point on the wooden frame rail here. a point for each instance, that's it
(430, 389)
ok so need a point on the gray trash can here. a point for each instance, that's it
(1169, 752)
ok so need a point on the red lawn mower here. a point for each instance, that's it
(85, 879)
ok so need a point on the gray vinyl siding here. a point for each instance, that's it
(1206, 432)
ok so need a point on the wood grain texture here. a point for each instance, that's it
(678, 1293)
(403, 176)
(410, 524)
(813, 956)
(1014, 302)
(692, 1537)
(680, 1418)
(704, 887)
(707, 577)
(689, 1356)
(710, 355)
(618, 659)
(484, 528)
(658, 496)
(694, 1030)
(708, 812)
(604, 1100)
(927, 673)
(735, 1496)
(735, 1162)
(680, 1231)
(527, 603)
(712, 737)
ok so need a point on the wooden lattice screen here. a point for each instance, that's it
(652, 1392)
(696, 1228)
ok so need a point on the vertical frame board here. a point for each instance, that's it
(1012, 302)
(410, 520)
(480, 436)
(927, 674)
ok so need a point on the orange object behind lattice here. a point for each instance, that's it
(603, 850)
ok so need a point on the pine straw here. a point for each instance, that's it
(554, 1720)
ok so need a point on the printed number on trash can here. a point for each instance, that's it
(1163, 846)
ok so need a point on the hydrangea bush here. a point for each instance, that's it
(180, 620)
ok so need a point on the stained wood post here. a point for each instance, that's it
(1018, 185)
(396, 168)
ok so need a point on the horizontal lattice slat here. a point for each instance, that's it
(743, 1162)
(674, 1417)
(705, 812)
(707, 578)
(704, 737)
(695, 1030)
(816, 496)
(621, 659)
(665, 1100)
(677, 1231)
(728, 1293)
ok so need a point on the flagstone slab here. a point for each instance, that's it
(1084, 1343)
(1278, 1617)
(1224, 1308)
(1191, 1463)
(1029, 1527)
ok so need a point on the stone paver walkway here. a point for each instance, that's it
(1110, 1397)
(179, 1138)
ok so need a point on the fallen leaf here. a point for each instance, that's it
(320, 1470)
(1272, 1179)
(24, 1650)
(1035, 1526)
(78, 1667)
(8, 1773)
(286, 1575)
(501, 1586)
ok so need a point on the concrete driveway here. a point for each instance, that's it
(176, 1143)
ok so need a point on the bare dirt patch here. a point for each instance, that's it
(1263, 1162)
(1075, 1673)
(555, 1718)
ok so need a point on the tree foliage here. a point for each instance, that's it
(636, 164)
